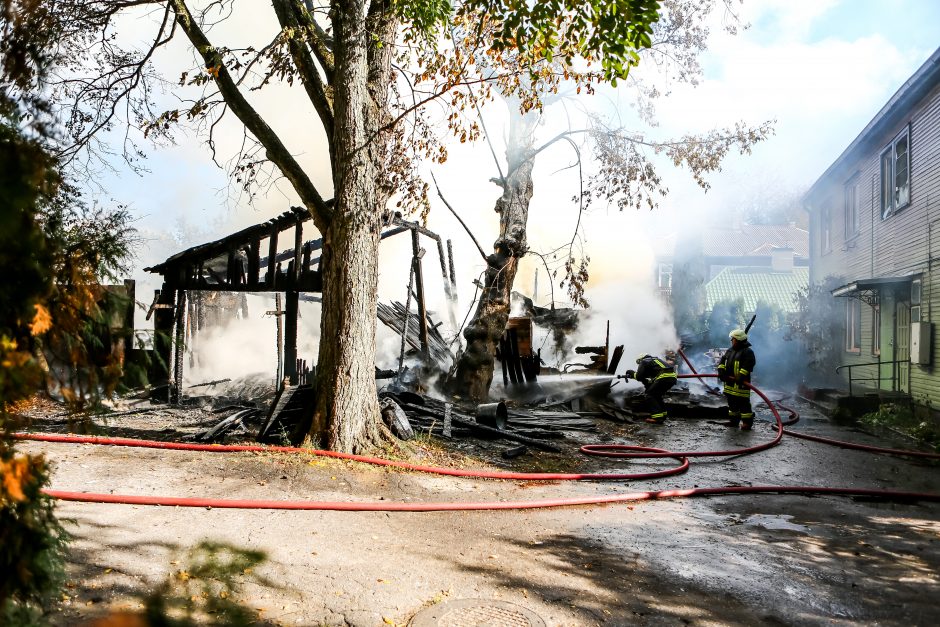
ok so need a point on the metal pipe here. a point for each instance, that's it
(493, 415)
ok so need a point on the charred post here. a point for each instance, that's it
(270, 277)
(176, 392)
(163, 337)
(292, 298)
(417, 253)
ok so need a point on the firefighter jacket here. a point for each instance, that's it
(652, 369)
(735, 369)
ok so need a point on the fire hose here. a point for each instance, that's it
(794, 418)
(623, 451)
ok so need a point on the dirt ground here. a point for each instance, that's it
(730, 560)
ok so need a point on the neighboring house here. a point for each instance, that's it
(777, 285)
(871, 227)
(754, 246)
(752, 262)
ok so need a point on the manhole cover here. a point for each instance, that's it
(476, 613)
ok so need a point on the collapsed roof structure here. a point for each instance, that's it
(234, 264)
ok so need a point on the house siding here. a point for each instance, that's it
(907, 243)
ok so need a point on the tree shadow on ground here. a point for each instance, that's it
(165, 579)
(608, 587)
(853, 562)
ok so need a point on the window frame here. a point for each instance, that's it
(888, 169)
(917, 289)
(853, 326)
(876, 327)
(852, 209)
(825, 230)
(664, 271)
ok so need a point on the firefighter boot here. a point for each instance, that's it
(732, 421)
(747, 422)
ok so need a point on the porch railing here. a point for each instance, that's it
(878, 379)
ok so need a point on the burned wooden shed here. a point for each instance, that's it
(270, 257)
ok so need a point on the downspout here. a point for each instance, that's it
(872, 251)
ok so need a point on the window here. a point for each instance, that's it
(665, 276)
(896, 174)
(876, 327)
(851, 209)
(825, 231)
(915, 300)
(853, 325)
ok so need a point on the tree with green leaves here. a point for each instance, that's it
(817, 326)
(53, 250)
(342, 56)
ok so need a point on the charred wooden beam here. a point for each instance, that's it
(305, 266)
(310, 282)
(615, 360)
(231, 270)
(417, 253)
(176, 391)
(237, 240)
(298, 247)
(163, 336)
(254, 262)
(504, 360)
(465, 421)
(270, 277)
(514, 349)
(290, 339)
(450, 261)
(394, 316)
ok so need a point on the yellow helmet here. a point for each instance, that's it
(738, 334)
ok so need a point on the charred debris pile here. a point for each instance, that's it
(541, 406)
(537, 405)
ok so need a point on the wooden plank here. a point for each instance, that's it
(254, 262)
(271, 276)
(291, 307)
(419, 288)
(298, 246)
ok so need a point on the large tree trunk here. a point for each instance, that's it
(347, 412)
(473, 373)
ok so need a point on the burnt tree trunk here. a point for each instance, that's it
(473, 373)
(347, 413)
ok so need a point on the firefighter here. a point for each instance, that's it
(735, 370)
(657, 376)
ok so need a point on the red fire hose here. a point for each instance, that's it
(624, 450)
(386, 506)
(606, 450)
(454, 472)
(794, 418)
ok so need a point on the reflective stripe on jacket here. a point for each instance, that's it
(654, 369)
(737, 364)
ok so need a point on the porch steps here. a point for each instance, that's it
(838, 404)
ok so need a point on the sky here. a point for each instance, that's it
(820, 69)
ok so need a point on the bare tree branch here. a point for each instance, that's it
(459, 219)
(274, 147)
(319, 93)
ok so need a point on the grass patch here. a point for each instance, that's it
(901, 418)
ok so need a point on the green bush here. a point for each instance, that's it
(32, 541)
(902, 418)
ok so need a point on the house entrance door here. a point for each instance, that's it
(902, 344)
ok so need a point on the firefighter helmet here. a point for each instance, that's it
(642, 356)
(738, 334)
